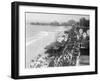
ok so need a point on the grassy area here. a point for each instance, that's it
(84, 60)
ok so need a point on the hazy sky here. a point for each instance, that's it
(44, 17)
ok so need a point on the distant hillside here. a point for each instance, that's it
(55, 23)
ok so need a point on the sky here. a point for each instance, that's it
(47, 17)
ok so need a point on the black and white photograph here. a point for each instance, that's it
(57, 40)
(50, 40)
